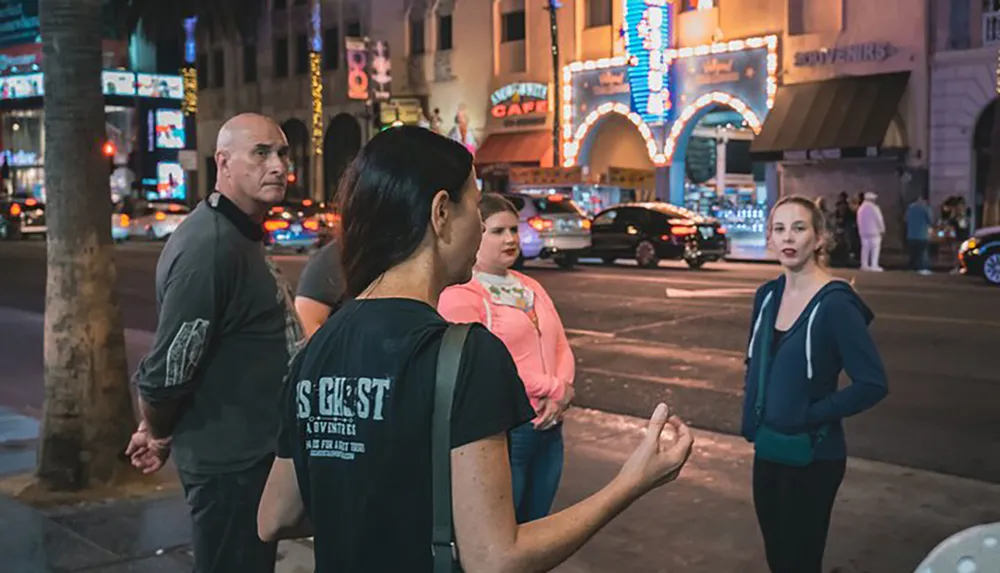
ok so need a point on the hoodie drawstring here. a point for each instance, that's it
(756, 326)
(809, 329)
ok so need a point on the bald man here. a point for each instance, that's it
(227, 329)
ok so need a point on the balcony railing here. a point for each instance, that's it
(991, 28)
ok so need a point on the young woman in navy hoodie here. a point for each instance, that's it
(806, 328)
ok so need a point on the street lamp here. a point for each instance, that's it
(552, 7)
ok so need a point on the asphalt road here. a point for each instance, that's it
(638, 343)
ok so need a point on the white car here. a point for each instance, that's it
(153, 220)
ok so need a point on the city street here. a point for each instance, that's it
(672, 334)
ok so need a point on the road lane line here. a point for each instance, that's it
(668, 381)
(660, 323)
(624, 277)
(694, 303)
(685, 353)
(590, 333)
(709, 293)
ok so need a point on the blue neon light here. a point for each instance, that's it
(189, 39)
(648, 26)
(316, 21)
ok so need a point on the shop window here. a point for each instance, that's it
(249, 63)
(218, 69)
(416, 36)
(354, 29)
(280, 56)
(598, 13)
(959, 36)
(991, 20)
(512, 27)
(444, 33)
(331, 49)
(814, 16)
(202, 63)
(301, 54)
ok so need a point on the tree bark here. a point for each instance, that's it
(991, 200)
(88, 415)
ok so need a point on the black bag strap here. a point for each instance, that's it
(443, 548)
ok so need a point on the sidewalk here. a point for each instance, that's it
(886, 520)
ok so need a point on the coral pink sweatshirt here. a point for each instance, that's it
(542, 353)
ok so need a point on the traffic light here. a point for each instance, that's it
(109, 150)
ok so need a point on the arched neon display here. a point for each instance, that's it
(572, 148)
(737, 105)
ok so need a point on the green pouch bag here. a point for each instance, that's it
(788, 449)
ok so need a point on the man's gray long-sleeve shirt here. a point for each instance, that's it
(225, 334)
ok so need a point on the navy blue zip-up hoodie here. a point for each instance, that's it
(831, 335)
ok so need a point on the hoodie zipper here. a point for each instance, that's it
(538, 336)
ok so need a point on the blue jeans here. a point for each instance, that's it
(536, 460)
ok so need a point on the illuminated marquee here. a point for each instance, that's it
(647, 35)
(520, 99)
(738, 104)
(609, 87)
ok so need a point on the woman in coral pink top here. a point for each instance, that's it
(517, 310)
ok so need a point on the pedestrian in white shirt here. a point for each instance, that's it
(871, 227)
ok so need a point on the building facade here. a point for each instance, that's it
(143, 96)
(966, 38)
(732, 103)
(271, 73)
(851, 115)
(719, 105)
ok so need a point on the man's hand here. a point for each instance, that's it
(147, 453)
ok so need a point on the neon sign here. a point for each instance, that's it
(357, 69)
(520, 99)
(647, 35)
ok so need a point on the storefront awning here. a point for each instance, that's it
(525, 148)
(850, 115)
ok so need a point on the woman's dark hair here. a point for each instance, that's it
(493, 204)
(385, 198)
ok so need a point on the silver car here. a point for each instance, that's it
(551, 226)
(153, 220)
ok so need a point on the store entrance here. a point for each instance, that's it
(712, 174)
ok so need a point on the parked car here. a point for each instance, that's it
(22, 216)
(153, 220)
(650, 232)
(298, 225)
(980, 255)
(551, 226)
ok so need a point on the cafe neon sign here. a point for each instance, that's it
(523, 98)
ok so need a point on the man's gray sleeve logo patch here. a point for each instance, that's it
(185, 351)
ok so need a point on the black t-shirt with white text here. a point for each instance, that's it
(356, 421)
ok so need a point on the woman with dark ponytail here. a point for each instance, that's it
(353, 463)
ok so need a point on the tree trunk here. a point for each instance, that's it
(88, 415)
(991, 200)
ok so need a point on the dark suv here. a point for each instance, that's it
(649, 232)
